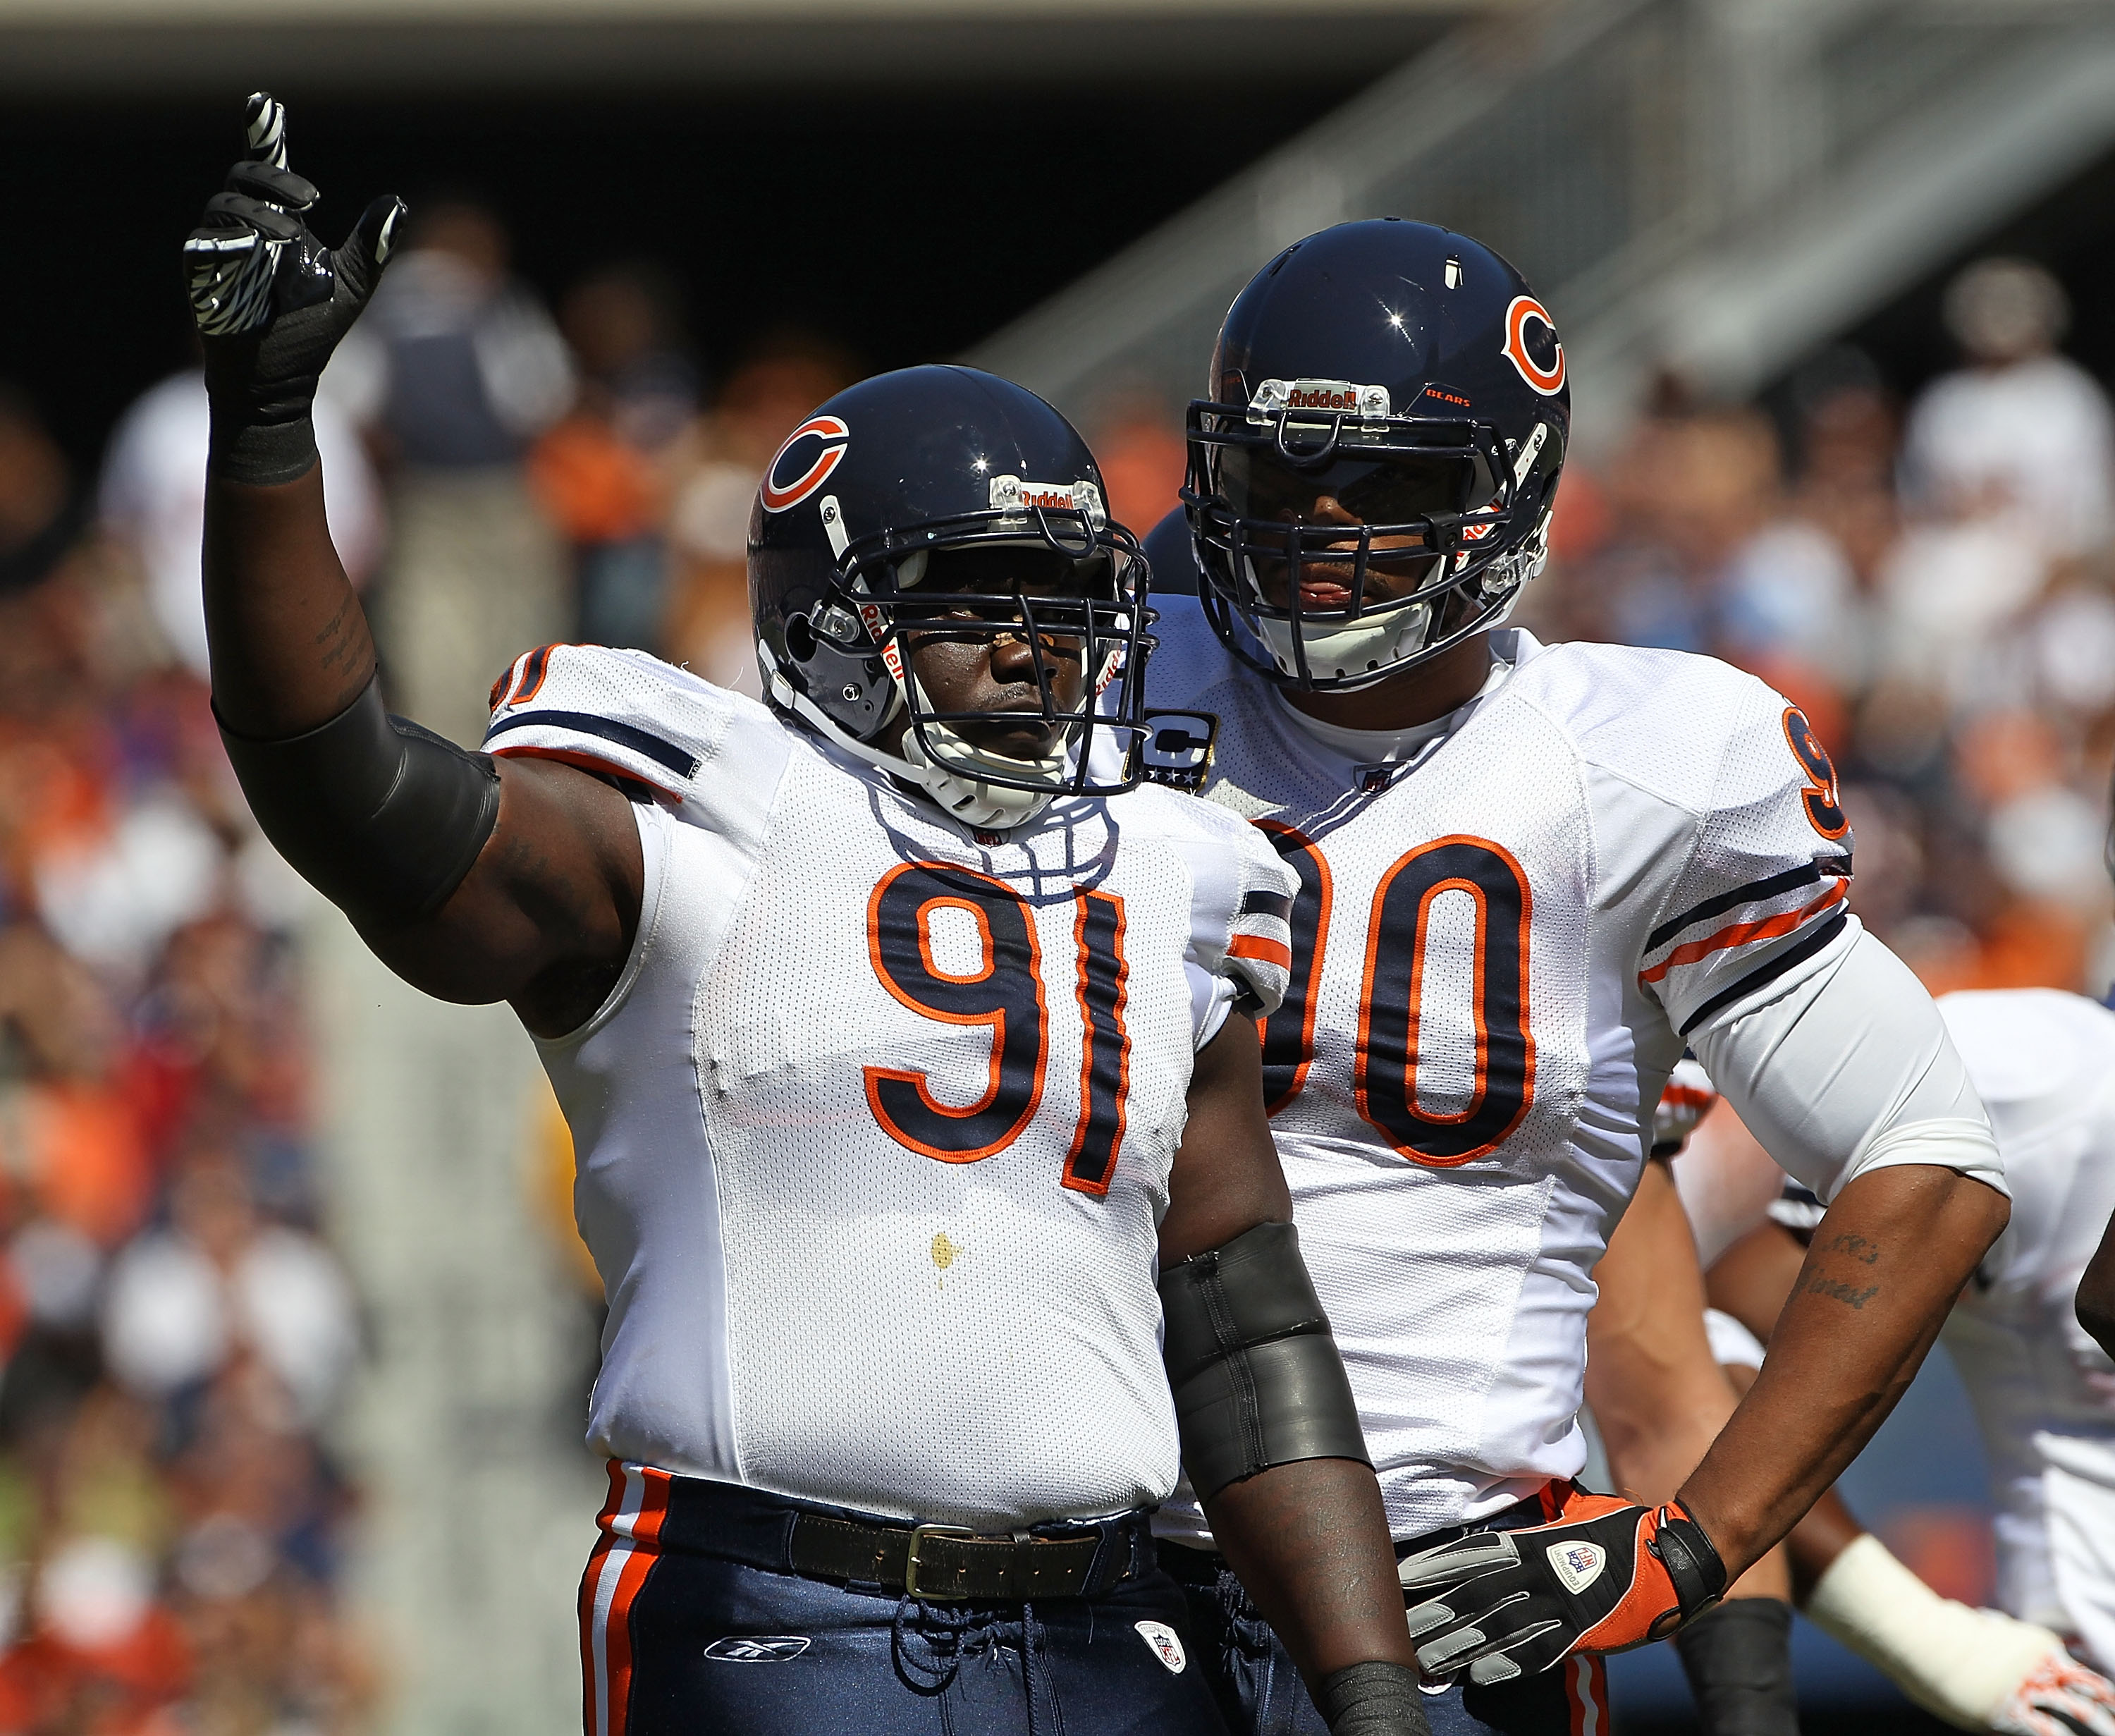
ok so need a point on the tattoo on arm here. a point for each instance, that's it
(1818, 1285)
(1857, 1247)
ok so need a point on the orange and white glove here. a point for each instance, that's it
(1979, 1669)
(1686, 1101)
(1604, 1576)
(2062, 1697)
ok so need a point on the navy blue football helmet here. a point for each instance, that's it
(1371, 475)
(945, 501)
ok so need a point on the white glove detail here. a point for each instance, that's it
(2062, 1698)
(1967, 1666)
(1687, 1099)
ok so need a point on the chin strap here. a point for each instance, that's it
(965, 797)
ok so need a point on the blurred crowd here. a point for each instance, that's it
(175, 1334)
(1932, 581)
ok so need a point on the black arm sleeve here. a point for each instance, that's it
(381, 816)
(1256, 1376)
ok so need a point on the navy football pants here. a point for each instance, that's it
(1261, 1694)
(691, 1624)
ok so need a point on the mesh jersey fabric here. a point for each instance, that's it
(1497, 944)
(2044, 1392)
(875, 1213)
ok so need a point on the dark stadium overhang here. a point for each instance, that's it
(486, 47)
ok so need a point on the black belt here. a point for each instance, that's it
(947, 1563)
(940, 1564)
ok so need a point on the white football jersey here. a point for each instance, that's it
(2044, 1063)
(1500, 941)
(874, 1134)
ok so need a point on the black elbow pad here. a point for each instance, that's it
(1255, 1373)
(381, 816)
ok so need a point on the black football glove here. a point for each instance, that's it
(271, 302)
(1605, 1576)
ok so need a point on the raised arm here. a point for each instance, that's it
(473, 881)
(1270, 1433)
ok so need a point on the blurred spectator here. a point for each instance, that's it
(152, 501)
(2021, 436)
(763, 401)
(38, 519)
(1139, 444)
(174, 1330)
(184, 1302)
(456, 370)
(603, 473)
(1956, 653)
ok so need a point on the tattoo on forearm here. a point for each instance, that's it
(1857, 1247)
(1819, 1285)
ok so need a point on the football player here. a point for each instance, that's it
(1659, 1397)
(2043, 1392)
(897, 1051)
(1528, 877)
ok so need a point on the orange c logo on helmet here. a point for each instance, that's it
(1549, 380)
(823, 440)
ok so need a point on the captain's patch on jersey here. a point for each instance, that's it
(1576, 1563)
(1166, 1645)
(758, 1648)
(1174, 749)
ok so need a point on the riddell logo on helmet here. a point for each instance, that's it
(1332, 398)
(1011, 494)
(794, 475)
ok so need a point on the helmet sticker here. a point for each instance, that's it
(1525, 312)
(804, 463)
(1013, 497)
(1330, 397)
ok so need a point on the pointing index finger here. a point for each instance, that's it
(265, 128)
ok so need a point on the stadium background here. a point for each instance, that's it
(296, 1339)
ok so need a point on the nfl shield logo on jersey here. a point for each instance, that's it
(1578, 1565)
(1166, 1647)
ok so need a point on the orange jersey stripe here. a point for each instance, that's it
(1256, 946)
(1740, 934)
(616, 1572)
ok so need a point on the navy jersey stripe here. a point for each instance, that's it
(1768, 971)
(1268, 904)
(661, 752)
(1755, 891)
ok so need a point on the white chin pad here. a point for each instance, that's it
(1339, 650)
(955, 771)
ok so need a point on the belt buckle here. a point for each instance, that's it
(918, 1533)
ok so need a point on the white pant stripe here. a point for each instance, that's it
(605, 1595)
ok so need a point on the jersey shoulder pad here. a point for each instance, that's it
(1189, 669)
(626, 714)
(1759, 885)
(1677, 724)
(2025, 1045)
(1172, 555)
